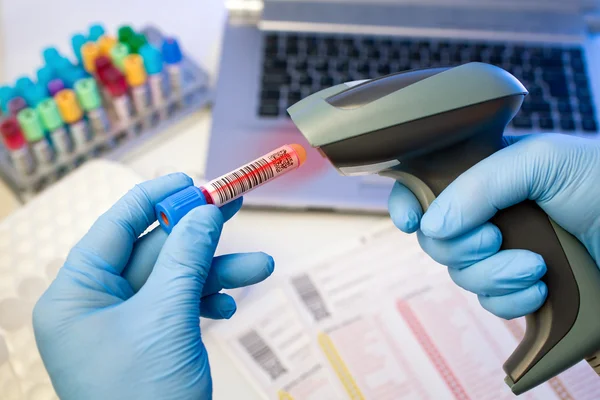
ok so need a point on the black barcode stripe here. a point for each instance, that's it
(310, 296)
(262, 354)
(242, 180)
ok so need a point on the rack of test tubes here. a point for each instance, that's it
(111, 94)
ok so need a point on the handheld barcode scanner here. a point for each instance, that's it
(424, 128)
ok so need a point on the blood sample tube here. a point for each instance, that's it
(117, 87)
(72, 114)
(106, 43)
(15, 143)
(172, 56)
(118, 54)
(89, 52)
(34, 133)
(137, 80)
(230, 186)
(77, 41)
(89, 98)
(154, 67)
(53, 123)
(15, 105)
(96, 32)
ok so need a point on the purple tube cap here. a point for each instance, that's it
(55, 86)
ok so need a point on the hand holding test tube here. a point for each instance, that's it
(230, 186)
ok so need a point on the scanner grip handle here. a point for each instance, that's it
(527, 226)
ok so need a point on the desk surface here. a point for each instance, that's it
(199, 29)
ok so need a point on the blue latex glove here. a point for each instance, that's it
(121, 320)
(559, 172)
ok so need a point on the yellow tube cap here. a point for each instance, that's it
(106, 43)
(134, 70)
(89, 52)
(69, 108)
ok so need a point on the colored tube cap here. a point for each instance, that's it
(106, 43)
(134, 70)
(11, 134)
(152, 59)
(55, 86)
(115, 82)
(45, 75)
(89, 52)
(77, 41)
(125, 33)
(16, 104)
(22, 84)
(88, 94)
(172, 209)
(171, 51)
(49, 54)
(72, 75)
(118, 54)
(31, 125)
(68, 107)
(49, 115)
(96, 31)
(7, 93)
(35, 94)
(102, 63)
(137, 42)
(60, 64)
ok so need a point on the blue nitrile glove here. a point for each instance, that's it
(560, 172)
(121, 320)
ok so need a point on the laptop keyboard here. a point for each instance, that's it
(296, 65)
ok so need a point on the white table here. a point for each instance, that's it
(198, 24)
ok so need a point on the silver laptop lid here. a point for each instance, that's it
(540, 19)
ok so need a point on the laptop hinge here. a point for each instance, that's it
(244, 12)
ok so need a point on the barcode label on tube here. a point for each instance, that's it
(262, 354)
(235, 184)
(310, 296)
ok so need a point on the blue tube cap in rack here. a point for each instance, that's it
(45, 75)
(7, 93)
(172, 209)
(35, 94)
(171, 51)
(77, 41)
(22, 84)
(50, 54)
(96, 31)
(72, 75)
(152, 59)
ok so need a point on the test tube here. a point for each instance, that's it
(89, 98)
(102, 64)
(7, 93)
(137, 80)
(231, 186)
(77, 41)
(125, 33)
(172, 56)
(118, 54)
(106, 43)
(55, 86)
(50, 54)
(51, 120)
(15, 105)
(35, 94)
(154, 67)
(89, 52)
(96, 32)
(117, 87)
(71, 113)
(34, 133)
(15, 143)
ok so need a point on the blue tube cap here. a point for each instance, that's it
(50, 54)
(77, 41)
(72, 75)
(171, 51)
(45, 75)
(96, 31)
(35, 94)
(152, 59)
(22, 84)
(172, 209)
(7, 93)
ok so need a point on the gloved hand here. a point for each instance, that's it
(559, 172)
(121, 320)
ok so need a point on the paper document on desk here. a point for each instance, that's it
(380, 320)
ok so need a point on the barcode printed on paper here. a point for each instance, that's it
(242, 180)
(262, 354)
(282, 160)
(310, 296)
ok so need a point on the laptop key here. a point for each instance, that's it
(321, 65)
(522, 122)
(589, 125)
(583, 93)
(269, 110)
(294, 96)
(305, 79)
(559, 89)
(275, 65)
(546, 123)
(277, 79)
(586, 109)
(270, 95)
(567, 125)
(578, 65)
(384, 69)
(326, 81)
(564, 106)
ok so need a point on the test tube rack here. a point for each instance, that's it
(122, 138)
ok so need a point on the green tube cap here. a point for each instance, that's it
(125, 33)
(118, 54)
(31, 125)
(88, 94)
(49, 115)
(137, 42)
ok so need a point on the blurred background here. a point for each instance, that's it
(217, 98)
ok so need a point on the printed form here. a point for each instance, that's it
(380, 320)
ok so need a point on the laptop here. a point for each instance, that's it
(275, 52)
